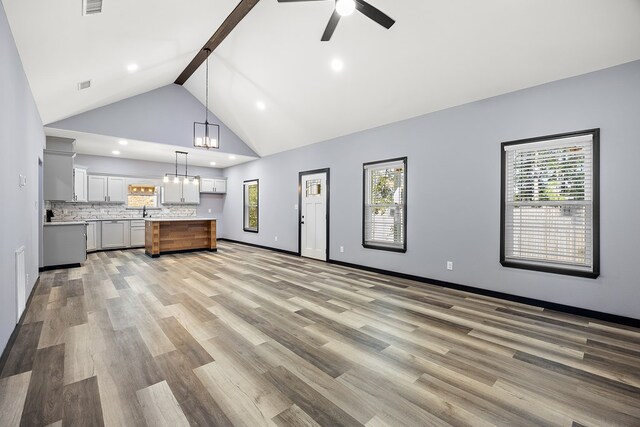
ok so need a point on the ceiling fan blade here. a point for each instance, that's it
(374, 14)
(331, 26)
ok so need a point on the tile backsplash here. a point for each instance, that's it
(63, 211)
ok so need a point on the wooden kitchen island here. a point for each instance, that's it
(172, 235)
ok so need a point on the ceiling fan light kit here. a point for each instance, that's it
(346, 8)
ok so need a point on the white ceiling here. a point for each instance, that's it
(440, 53)
(101, 145)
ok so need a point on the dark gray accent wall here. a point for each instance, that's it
(22, 140)
(454, 189)
(163, 115)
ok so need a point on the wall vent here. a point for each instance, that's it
(90, 7)
(21, 283)
(84, 85)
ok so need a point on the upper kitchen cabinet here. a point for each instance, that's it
(103, 188)
(58, 175)
(58, 169)
(181, 192)
(79, 185)
(190, 193)
(213, 185)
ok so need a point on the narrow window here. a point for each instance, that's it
(251, 208)
(550, 204)
(385, 205)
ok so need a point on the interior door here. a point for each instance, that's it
(313, 216)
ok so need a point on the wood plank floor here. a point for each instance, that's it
(250, 337)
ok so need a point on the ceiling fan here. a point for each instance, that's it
(345, 8)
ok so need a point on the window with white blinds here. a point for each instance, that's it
(385, 205)
(550, 204)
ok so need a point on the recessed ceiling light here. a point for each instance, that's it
(116, 152)
(232, 157)
(337, 65)
(123, 142)
(261, 105)
(132, 68)
(345, 7)
(212, 163)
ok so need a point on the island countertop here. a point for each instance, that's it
(183, 218)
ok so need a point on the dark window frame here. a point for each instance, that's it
(595, 135)
(244, 206)
(369, 245)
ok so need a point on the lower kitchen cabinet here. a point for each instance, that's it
(64, 244)
(137, 233)
(115, 234)
(93, 237)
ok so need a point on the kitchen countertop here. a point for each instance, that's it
(114, 219)
(48, 224)
(186, 218)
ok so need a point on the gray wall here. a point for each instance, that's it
(141, 168)
(163, 115)
(22, 140)
(454, 189)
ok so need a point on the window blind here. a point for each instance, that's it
(549, 210)
(385, 204)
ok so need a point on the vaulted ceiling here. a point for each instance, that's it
(440, 53)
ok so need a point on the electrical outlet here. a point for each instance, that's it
(209, 210)
(276, 238)
(295, 206)
(449, 265)
(341, 248)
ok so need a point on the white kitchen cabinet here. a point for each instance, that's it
(137, 233)
(220, 186)
(58, 175)
(107, 189)
(213, 185)
(92, 236)
(180, 192)
(190, 193)
(172, 192)
(115, 234)
(79, 185)
(116, 189)
(97, 188)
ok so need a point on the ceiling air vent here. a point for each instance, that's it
(89, 7)
(84, 85)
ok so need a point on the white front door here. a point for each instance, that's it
(313, 218)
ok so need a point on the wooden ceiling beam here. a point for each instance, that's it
(234, 18)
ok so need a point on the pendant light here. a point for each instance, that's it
(206, 135)
(185, 177)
